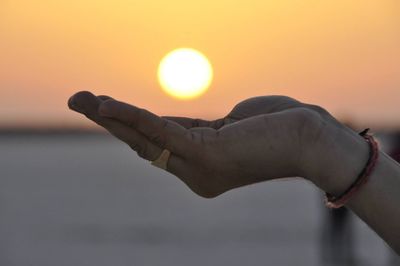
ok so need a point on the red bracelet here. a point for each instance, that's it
(337, 202)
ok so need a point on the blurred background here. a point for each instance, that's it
(72, 195)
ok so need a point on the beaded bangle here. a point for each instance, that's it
(337, 202)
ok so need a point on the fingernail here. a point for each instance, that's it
(73, 105)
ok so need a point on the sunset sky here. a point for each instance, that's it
(343, 55)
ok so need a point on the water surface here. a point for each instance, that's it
(89, 200)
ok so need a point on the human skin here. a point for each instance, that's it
(262, 138)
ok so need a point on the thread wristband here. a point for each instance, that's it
(337, 202)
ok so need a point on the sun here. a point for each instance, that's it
(185, 73)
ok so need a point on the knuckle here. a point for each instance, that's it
(158, 139)
(141, 150)
(134, 146)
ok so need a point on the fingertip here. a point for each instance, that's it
(83, 96)
(71, 103)
(75, 101)
(84, 102)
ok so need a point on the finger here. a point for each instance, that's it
(247, 108)
(165, 133)
(139, 143)
(87, 104)
(84, 102)
(188, 123)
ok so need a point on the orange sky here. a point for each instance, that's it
(343, 55)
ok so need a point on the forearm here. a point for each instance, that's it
(377, 202)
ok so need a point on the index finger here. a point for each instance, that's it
(163, 132)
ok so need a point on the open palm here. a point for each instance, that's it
(260, 139)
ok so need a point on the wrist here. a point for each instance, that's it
(340, 155)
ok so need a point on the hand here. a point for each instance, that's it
(262, 138)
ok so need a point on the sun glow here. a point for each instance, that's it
(185, 73)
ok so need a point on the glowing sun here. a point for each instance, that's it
(185, 73)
